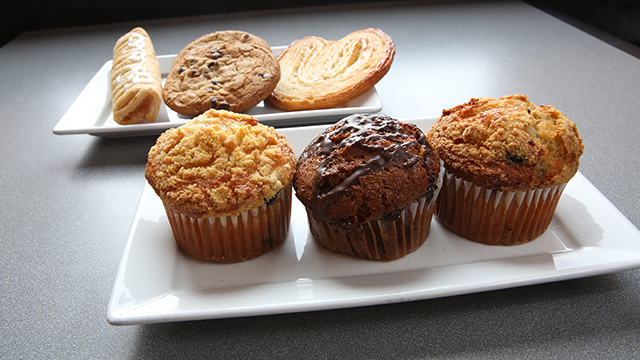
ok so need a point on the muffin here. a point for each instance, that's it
(368, 184)
(507, 162)
(225, 183)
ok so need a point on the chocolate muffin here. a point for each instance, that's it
(507, 163)
(368, 184)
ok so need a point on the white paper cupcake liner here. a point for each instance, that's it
(495, 217)
(234, 238)
(378, 239)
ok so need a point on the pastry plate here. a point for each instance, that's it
(156, 282)
(91, 112)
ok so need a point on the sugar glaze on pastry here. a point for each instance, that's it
(136, 87)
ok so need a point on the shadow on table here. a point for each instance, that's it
(555, 319)
(117, 152)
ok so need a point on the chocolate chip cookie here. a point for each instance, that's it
(226, 70)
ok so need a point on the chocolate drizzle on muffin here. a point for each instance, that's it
(358, 133)
(367, 167)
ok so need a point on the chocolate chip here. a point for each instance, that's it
(180, 70)
(215, 83)
(219, 104)
(267, 76)
(215, 54)
(194, 73)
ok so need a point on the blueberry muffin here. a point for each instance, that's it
(507, 162)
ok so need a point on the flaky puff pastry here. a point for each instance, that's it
(319, 74)
(136, 83)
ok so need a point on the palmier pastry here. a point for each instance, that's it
(136, 84)
(226, 70)
(319, 74)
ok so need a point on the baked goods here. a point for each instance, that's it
(368, 184)
(136, 84)
(507, 162)
(225, 183)
(319, 74)
(226, 70)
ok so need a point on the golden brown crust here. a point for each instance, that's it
(232, 36)
(136, 84)
(226, 70)
(507, 143)
(218, 164)
(319, 74)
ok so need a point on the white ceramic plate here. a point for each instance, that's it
(157, 282)
(91, 112)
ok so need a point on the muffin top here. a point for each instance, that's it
(366, 167)
(220, 163)
(507, 143)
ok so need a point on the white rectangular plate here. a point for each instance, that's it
(157, 282)
(91, 112)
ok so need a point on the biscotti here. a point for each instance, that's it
(225, 182)
(136, 84)
(507, 163)
(319, 73)
(226, 70)
(369, 185)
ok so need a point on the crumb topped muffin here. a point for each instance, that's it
(220, 165)
(502, 146)
(368, 183)
(508, 143)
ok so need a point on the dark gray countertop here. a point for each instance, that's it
(67, 202)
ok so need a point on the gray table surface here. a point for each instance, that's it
(67, 202)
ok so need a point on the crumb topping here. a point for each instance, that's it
(220, 163)
(507, 143)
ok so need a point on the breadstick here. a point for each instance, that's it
(136, 84)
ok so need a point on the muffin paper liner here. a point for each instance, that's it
(234, 238)
(380, 239)
(495, 217)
